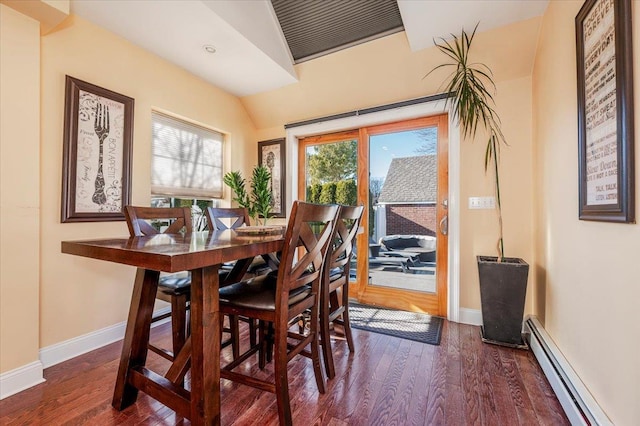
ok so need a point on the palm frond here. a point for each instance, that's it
(472, 103)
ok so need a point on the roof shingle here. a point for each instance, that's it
(411, 180)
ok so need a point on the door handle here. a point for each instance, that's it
(444, 225)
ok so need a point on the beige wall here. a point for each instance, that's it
(79, 295)
(385, 71)
(19, 188)
(588, 272)
(479, 228)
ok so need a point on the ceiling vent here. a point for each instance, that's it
(319, 27)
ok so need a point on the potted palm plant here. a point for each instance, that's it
(503, 280)
(260, 200)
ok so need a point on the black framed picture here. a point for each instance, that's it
(96, 173)
(605, 111)
(271, 154)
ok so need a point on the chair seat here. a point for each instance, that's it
(258, 293)
(335, 273)
(176, 284)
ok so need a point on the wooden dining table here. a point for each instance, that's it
(201, 253)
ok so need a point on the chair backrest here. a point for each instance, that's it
(344, 239)
(310, 230)
(138, 218)
(238, 217)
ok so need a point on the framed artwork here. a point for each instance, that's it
(271, 154)
(96, 170)
(605, 111)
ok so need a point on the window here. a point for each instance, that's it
(186, 159)
(198, 207)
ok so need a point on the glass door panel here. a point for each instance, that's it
(407, 178)
(330, 171)
(403, 183)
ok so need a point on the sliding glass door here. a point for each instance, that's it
(398, 171)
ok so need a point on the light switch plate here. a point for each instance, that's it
(482, 203)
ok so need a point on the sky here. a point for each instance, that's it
(384, 148)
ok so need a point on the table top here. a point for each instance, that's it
(176, 252)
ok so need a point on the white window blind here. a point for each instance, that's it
(186, 159)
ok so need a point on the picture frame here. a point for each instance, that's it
(605, 111)
(271, 154)
(96, 164)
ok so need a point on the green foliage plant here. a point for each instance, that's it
(237, 183)
(259, 202)
(328, 194)
(346, 192)
(261, 195)
(315, 190)
(333, 162)
(470, 85)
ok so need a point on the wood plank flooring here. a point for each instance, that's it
(388, 381)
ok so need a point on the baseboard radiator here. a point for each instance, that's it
(580, 407)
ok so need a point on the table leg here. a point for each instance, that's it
(205, 347)
(136, 338)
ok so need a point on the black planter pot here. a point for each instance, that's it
(503, 287)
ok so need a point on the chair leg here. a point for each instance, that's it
(252, 332)
(269, 341)
(325, 339)
(281, 377)
(315, 349)
(346, 325)
(234, 328)
(262, 341)
(178, 322)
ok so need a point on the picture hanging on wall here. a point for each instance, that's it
(605, 111)
(96, 174)
(271, 154)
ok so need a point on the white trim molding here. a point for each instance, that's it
(29, 375)
(578, 404)
(470, 316)
(59, 352)
(388, 116)
(21, 378)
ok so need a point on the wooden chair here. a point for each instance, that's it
(237, 217)
(281, 299)
(174, 289)
(334, 301)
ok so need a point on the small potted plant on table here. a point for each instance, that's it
(260, 201)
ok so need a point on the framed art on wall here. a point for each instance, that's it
(605, 111)
(271, 154)
(96, 173)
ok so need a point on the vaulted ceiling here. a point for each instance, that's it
(241, 46)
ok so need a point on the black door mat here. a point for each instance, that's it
(406, 325)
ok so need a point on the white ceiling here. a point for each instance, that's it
(251, 52)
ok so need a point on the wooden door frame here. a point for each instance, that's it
(393, 298)
(419, 109)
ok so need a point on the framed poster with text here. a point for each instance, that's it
(605, 111)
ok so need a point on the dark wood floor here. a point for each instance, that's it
(388, 381)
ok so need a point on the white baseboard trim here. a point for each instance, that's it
(21, 378)
(63, 351)
(577, 402)
(470, 316)
(29, 375)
